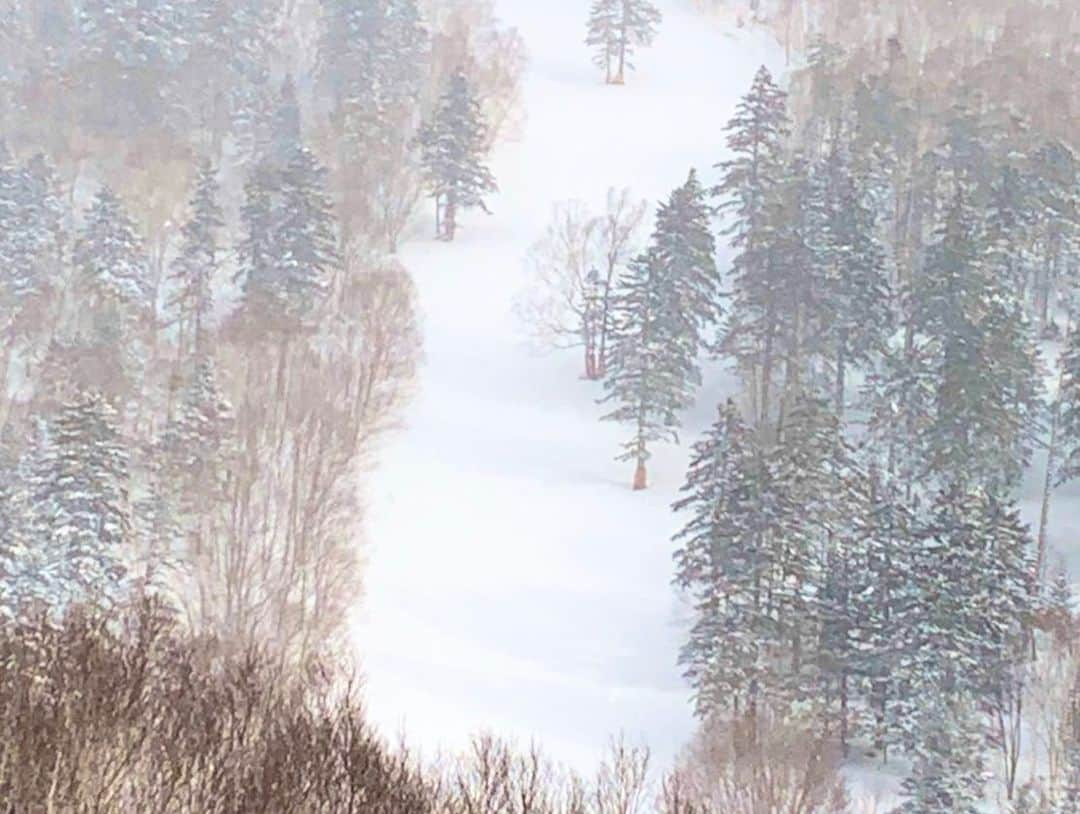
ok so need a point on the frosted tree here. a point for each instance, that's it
(80, 526)
(748, 188)
(573, 268)
(30, 258)
(112, 278)
(724, 563)
(879, 560)
(289, 250)
(190, 476)
(109, 257)
(966, 644)
(971, 332)
(685, 246)
(652, 371)
(1069, 409)
(616, 29)
(195, 444)
(854, 305)
(453, 146)
(809, 502)
(197, 265)
(947, 775)
(372, 60)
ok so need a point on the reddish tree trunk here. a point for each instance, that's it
(640, 477)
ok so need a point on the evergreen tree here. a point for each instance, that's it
(109, 258)
(748, 188)
(373, 56)
(453, 147)
(724, 564)
(288, 254)
(30, 215)
(195, 446)
(880, 586)
(685, 247)
(965, 642)
(972, 334)
(854, 313)
(616, 29)
(652, 372)
(809, 468)
(285, 128)
(371, 59)
(948, 774)
(116, 295)
(80, 521)
(196, 266)
(1069, 406)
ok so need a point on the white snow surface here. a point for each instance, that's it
(516, 584)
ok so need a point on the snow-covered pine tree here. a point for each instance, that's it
(21, 562)
(948, 774)
(1056, 202)
(854, 312)
(879, 578)
(452, 150)
(652, 370)
(966, 642)
(809, 465)
(372, 60)
(755, 138)
(226, 75)
(187, 480)
(285, 136)
(1068, 406)
(306, 257)
(116, 295)
(194, 447)
(30, 216)
(30, 259)
(195, 268)
(616, 28)
(685, 246)
(971, 332)
(725, 566)
(80, 525)
(289, 250)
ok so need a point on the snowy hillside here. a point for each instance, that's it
(515, 582)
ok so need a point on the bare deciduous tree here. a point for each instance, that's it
(573, 269)
(783, 769)
(284, 564)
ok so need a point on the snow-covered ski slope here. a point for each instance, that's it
(515, 582)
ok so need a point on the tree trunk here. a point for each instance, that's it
(640, 477)
(450, 218)
(840, 376)
(1048, 485)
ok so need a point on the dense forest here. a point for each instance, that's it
(207, 333)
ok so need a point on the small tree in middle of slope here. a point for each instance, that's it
(616, 28)
(662, 305)
(652, 373)
(453, 145)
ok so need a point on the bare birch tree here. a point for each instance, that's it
(572, 271)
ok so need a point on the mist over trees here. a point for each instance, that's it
(900, 311)
(205, 331)
(205, 334)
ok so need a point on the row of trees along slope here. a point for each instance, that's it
(901, 314)
(203, 332)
